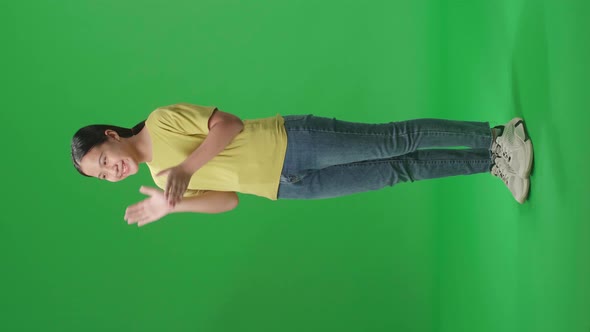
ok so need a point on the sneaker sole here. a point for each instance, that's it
(528, 146)
(525, 194)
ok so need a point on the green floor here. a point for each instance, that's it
(448, 255)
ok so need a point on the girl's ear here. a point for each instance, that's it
(111, 133)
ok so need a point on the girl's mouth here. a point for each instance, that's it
(123, 169)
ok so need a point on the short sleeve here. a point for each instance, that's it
(161, 183)
(193, 192)
(183, 118)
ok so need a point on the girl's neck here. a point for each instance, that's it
(143, 145)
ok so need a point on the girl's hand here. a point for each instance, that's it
(178, 179)
(148, 210)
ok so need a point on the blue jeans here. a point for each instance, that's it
(327, 157)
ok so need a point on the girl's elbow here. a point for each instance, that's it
(232, 201)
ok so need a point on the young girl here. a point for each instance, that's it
(200, 156)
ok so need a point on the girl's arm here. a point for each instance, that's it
(208, 202)
(223, 127)
(156, 206)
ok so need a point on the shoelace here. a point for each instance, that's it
(497, 150)
(497, 171)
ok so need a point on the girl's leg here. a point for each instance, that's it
(356, 177)
(316, 142)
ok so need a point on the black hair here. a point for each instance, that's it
(94, 135)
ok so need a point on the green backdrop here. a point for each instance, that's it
(449, 255)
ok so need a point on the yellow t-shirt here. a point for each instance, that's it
(251, 163)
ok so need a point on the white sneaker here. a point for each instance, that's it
(519, 187)
(515, 146)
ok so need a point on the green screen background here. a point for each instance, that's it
(449, 255)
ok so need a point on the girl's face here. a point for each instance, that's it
(112, 161)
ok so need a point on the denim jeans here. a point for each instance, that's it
(328, 158)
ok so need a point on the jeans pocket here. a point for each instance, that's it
(288, 179)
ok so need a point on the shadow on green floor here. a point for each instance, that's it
(531, 92)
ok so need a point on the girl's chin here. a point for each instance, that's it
(131, 166)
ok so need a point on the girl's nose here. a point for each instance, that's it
(113, 171)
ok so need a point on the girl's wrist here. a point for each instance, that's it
(187, 168)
